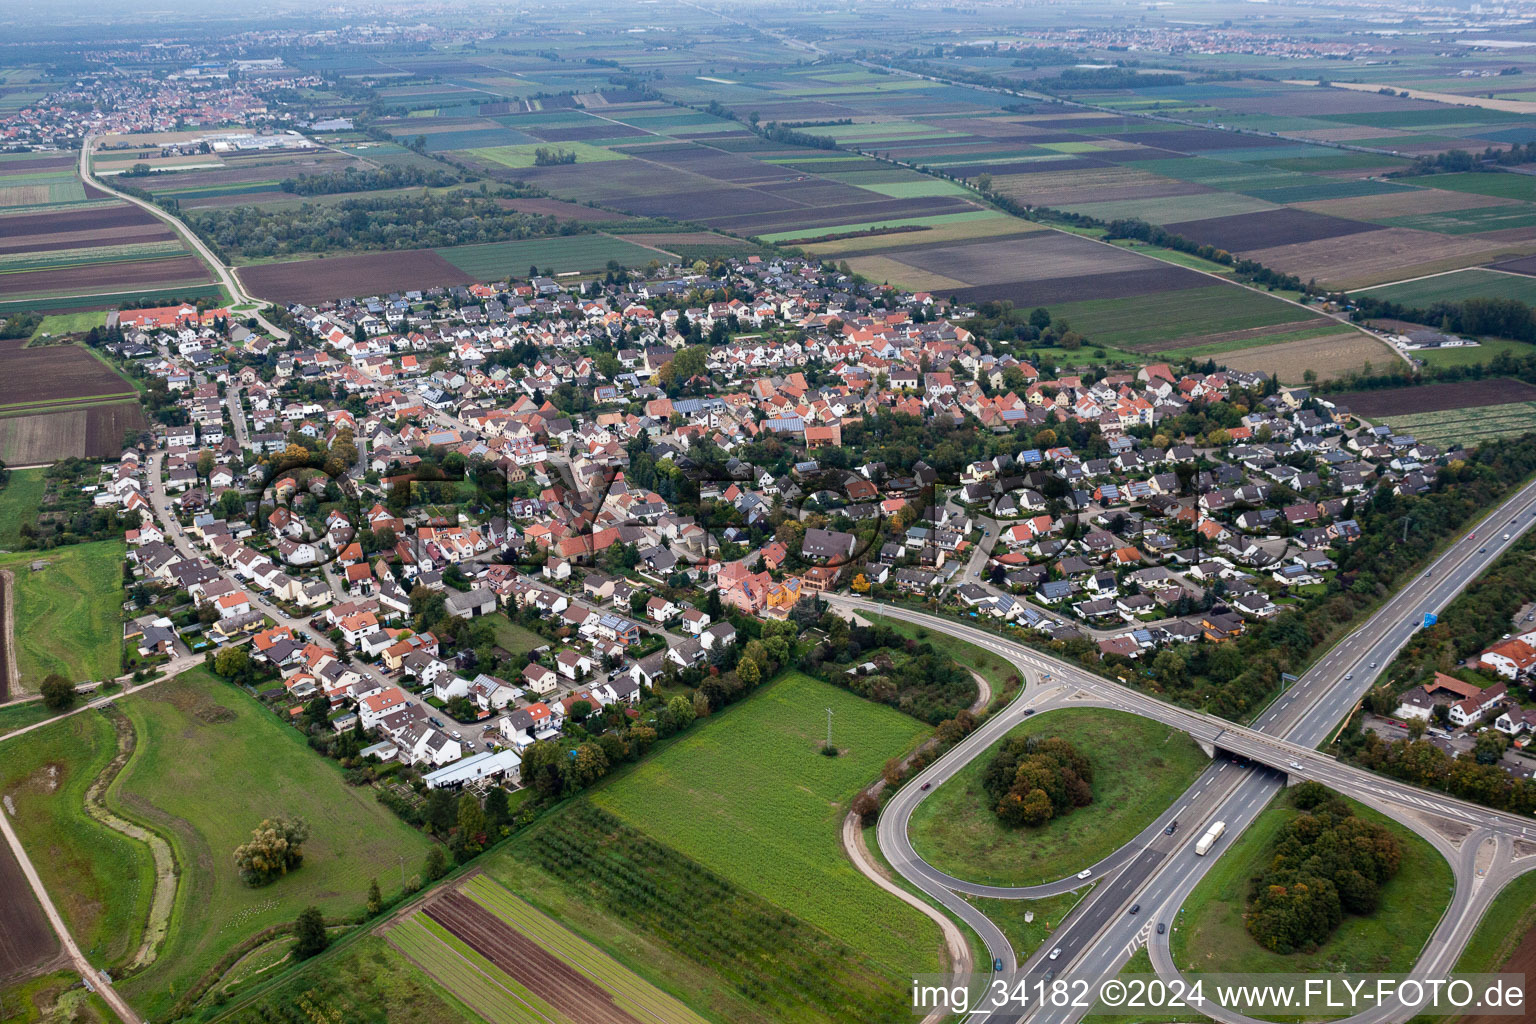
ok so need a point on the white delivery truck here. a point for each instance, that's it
(1208, 840)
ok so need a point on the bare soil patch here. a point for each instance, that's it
(560, 208)
(342, 276)
(55, 372)
(1245, 232)
(26, 940)
(1376, 257)
(1437, 397)
(105, 277)
(1329, 356)
(1522, 961)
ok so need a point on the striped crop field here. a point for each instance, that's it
(1468, 426)
(18, 262)
(514, 965)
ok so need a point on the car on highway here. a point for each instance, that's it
(1055, 952)
(1506, 536)
(1295, 764)
(1028, 712)
(1161, 927)
(1173, 826)
(997, 964)
(1135, 908)
(1348, 676)
(1482, 551)
(926, 785)
(1085, 873)
(1373, 664)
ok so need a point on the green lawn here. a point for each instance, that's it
(1485, 351)
(1139, 768)
(69, 614)
(1209, 936)
(19, 501)
(751, 797)
(249, 766)
(1484, 183)
(99, 879)
(70, 323)
(516, 640)
(1028, 936)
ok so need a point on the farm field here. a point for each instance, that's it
(1174, 319)
(60, 236)
(1328, 356)
(778, 827)
(1407, 401)
(514, 964)
(1210, 937)
(254, 767)
(1139, 768)
(90, 428)
(1457, 287)
(68, 613)
(1470, 426)
(336, 277)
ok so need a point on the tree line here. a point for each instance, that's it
(367, 180)
(1504, 318)
(426, 220)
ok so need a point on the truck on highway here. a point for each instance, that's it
(1208, 840)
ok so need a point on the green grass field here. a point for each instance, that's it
(44, 301)
(1140, 767)
(751, 798)
(1209, 936)
(938, 220)
(18, 716)
(250, 767)
(1164, 316)
(516, 640)
(1484, 183)
(1028, 936)
(69, 323)
(1457, 286)
(99, 879)
(19, 501)
(491, 261)
(1485, 351)
(69, 614)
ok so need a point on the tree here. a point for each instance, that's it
(749, 672)
(276, 847)
(58, 692)
(435, 864)
(866, 807)
(375, 898)
(682, 710)
(471, 823)
(231, 661)
(497, 813)
(309, 933)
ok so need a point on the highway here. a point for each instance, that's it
(1486, 848)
